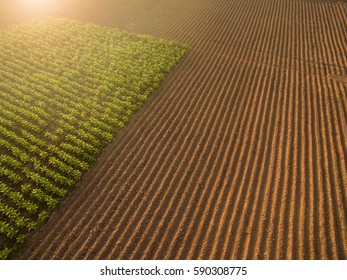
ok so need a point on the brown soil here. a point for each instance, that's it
(241, 154)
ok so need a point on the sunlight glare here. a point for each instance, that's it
(38, 5)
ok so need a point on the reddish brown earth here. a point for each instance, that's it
(242, 152)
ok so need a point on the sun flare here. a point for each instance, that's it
(37, 5)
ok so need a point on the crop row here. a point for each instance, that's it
(65, 90)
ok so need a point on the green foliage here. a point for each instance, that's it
(4, 253)
(66, 88)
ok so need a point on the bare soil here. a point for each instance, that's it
(241, 153)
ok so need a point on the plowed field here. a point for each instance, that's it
(241, 153)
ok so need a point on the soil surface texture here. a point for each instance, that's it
(241, 153)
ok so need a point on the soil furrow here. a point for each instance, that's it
(261, 216)
(271, 238)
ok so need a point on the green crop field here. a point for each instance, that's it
(66, 88)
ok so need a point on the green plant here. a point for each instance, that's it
(63, 98)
